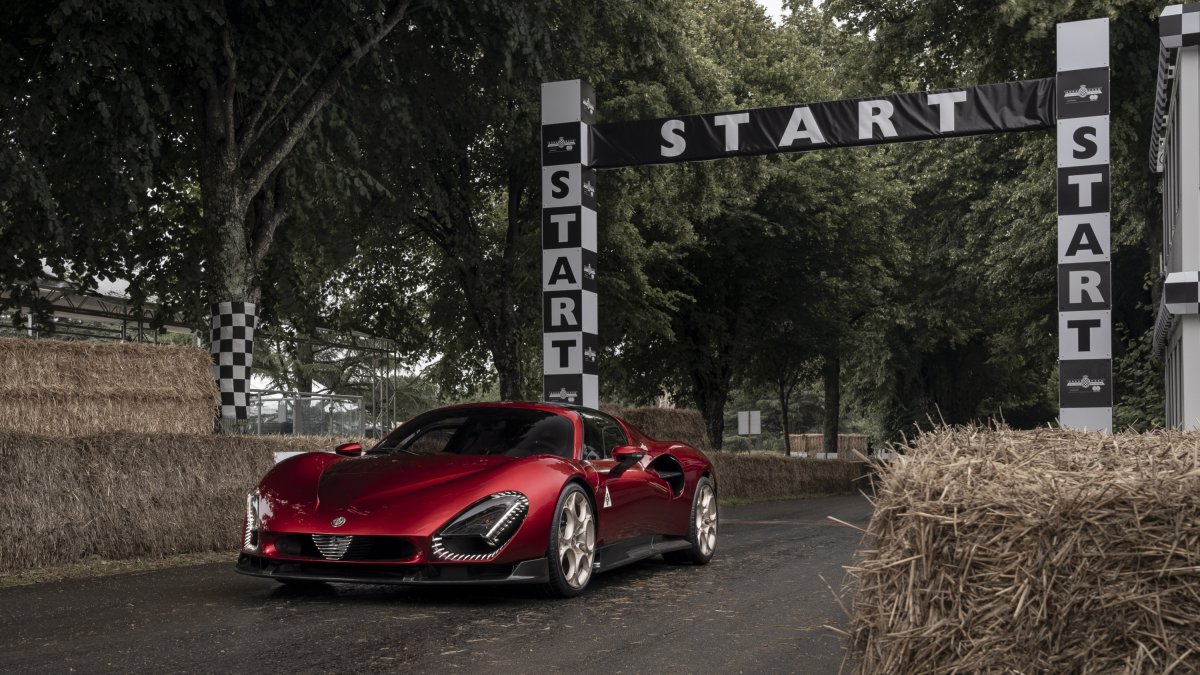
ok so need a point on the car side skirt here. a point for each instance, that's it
(526, 572)
(639, 548)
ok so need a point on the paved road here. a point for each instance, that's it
(760, 606)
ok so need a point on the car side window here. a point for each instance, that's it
(593, 438)
(614, 436)
(601, 434)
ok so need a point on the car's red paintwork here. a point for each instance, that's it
(415, 496)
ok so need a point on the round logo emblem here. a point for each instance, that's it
(338, 522)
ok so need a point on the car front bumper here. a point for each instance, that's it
(527, 572)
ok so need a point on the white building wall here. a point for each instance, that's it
(1181, 237)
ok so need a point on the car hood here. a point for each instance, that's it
(396, 494)
(367, 482)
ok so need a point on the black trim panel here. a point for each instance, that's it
(638, 548)
(527, 572)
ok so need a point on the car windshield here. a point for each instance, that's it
(482, 431)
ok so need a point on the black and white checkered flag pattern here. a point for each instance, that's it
(1178, 26)
(233, 355)
(1181, 293)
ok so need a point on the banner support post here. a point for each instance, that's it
(570, 350)
(1082, 106)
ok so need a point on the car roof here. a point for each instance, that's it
(525, 405)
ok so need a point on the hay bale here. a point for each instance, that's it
(668, 424)
(749, 476)
(78, 388)
(128, 495)
(814, 443)
(1041, 551)
(764, 476)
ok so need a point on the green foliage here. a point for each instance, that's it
(157, 142)
(969, 332)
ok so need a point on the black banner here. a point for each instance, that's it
(1010, 106)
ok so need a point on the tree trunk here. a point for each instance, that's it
(304, 359)
(498, 329)
(712, 391)
(509, 371)
(784, 400)
(831, 373)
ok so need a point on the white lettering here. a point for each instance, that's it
(1080, 282)
(802, 125)
(873, 114)
(1085, 181)
(563, 221)
(562, 312)
(672, 132)
(945, 105)
(731, 124)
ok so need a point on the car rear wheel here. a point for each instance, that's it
(572, 543)
(702, 532)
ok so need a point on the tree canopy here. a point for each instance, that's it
(373, 166)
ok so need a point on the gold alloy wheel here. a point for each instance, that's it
(706, 520)
(576, 540)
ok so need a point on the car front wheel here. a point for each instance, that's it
(572, 543)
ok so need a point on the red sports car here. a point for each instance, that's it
(484, 493)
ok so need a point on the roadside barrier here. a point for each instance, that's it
(1042, 551)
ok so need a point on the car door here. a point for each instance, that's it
(629, 503)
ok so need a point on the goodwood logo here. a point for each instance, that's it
(1085, 383)
(589, 354)
(587, 103)
(563, 395)
(1083, 93)
(561, 145)
(589, 271)
(588, 188)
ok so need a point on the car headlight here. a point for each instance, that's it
(250, 537)
(479, 532)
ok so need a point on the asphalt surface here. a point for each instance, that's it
(759, 606)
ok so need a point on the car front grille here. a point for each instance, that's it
(346, 547)
(334, 547)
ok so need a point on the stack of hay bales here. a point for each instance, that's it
(1033, 552)
(125, 495)
(75, 388)
(765, 476)
(757, 476)
(667, 424)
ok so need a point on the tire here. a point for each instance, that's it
(702, 532)
(572, 547)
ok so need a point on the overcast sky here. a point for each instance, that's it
(774, 8)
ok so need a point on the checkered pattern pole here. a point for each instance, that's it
(1084, 267)
(1178, 26)
(569, 317)
(233, 355)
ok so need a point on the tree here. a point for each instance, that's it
(219, 93)
(969, 333)
(466, 179)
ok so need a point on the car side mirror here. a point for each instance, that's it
(626, 456)
(349, 449)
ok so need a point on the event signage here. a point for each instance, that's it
(1084, 247)
(1075, 102)
(569, 314)
(991, 108)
